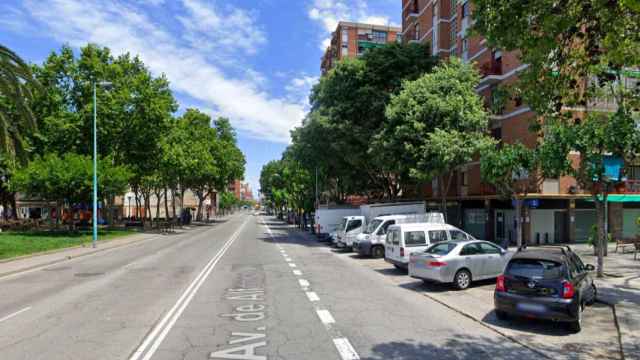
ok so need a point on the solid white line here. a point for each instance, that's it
(347, 352)
(303, 283)
(312, 296)
(160, 331)
(297, 272)
(325, 317)
(292, 265)
(15, 314)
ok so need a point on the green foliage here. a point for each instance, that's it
(580, 55)
(348, 111)
(69, 178)
(509, 168)
(437, 123)
(17, 89)
(227, 200)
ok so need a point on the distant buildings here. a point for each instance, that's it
(351, 40)
(242, 191)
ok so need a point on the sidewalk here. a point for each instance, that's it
(621, 289)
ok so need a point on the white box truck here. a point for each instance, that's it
(328, 218)
(355, 225)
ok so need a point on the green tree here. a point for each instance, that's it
(514, 170)
(68, 179)
(17, 90)
(437, 123)
(581, 58)
(349, 104)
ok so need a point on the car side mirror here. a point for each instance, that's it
(590, 267)
(503, 252)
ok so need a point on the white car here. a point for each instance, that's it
(405, 239)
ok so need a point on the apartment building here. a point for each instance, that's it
(556, 211)
(351, 40)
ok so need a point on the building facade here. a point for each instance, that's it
(557, 210)
(351, 40)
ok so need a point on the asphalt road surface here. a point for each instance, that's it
(249, 288)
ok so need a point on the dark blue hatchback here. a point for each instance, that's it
(550, 283)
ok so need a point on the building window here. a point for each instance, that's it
(633, 173)
(399, 37)
(415, 8)
(345, 51)
(379, 36)
(345, 37)
(434, 37)
(466, 10)
(453, 7)
(452, 39)
(417, 31)
(465, 178)
(465, 49)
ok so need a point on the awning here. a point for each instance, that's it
(620, 198)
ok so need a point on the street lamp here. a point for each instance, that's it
(105, 84)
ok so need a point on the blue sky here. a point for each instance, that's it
(253, 61)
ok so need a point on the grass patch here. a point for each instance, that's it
(13, 244)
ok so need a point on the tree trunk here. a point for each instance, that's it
(519, 243)
(166, 204)
(201, 199)
(444, 185)
(173, 203)
(14, 208)
(600, 242)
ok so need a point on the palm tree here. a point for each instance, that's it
(16, 94)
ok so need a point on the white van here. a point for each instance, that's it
(349, 228)
(371, 241)
(405, 239)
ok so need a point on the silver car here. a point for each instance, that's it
(459, 262)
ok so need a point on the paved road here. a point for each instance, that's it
(244, 289)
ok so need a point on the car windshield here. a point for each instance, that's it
(535, 269)
(343, 225)
(440, 249)
(373, 226)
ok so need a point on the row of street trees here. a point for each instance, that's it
(46, 114)
(384, 123)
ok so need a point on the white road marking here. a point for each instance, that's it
(347, 352)
(312, 296)
(10, 316)
(342, 344)
(160, 331)
(288, 259)
(325, 317)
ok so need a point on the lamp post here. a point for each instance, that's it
(95, 160)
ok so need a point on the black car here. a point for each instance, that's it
(549, 283)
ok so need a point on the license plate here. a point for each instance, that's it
(531, 307)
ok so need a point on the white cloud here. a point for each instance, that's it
(232, 29)
(124, 28)
(329, 12)
(299, 89)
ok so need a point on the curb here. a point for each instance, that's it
(616, 324)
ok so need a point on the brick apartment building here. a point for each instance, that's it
(557, 211)
(353, 39)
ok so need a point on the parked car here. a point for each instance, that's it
(459, 262)
(549, 283)
(371, 241)
(348, 229)
(405, 239)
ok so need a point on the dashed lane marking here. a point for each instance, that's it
(326, 317)
(303, 283)
(292, 265)
(297, 272)
(347, 352)
(312, 296)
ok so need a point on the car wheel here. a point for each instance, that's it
(398, 267)
(595, 295)
(501, 315)
(576, 325)
(462, 280)
(377, 252)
